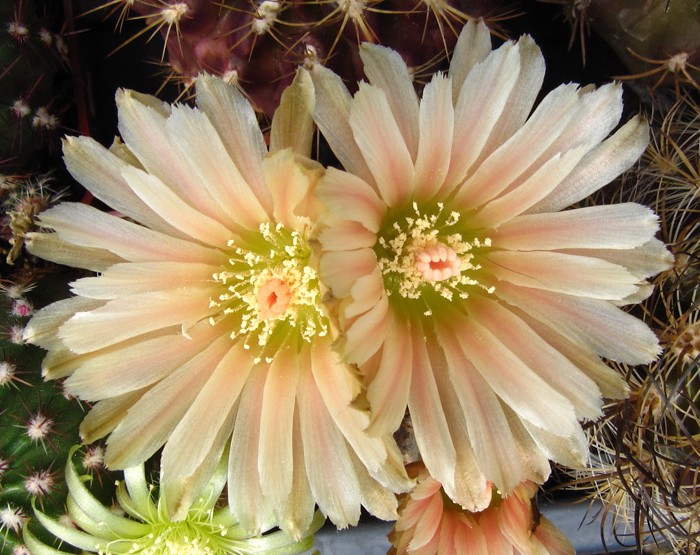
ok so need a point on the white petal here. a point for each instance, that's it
(245, 492)
(473, 45)
(548, 363)
(237, 125)
(145, 132)
(331, 114)
(582, 276)
(49, 247)
(162, 407)
(86, 226)
(121, 280)
(328, 462)
(386, 69)
(512, 379)
(522, 98)
(133, 365)
(479, 107)
(599, 325)
(517, 200)
(435, 142)
(388, 390)
(278, 401)
(379, 138)
(43, 328)
(367, 333)
(292, 124)
(599, 167)
(615, 226)
(346, 196)
(516, 159)
(106, 415)
(100, 172)
(211, 170)
(128, 317)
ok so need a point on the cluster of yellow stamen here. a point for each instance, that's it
(269, 283)
(420, 252)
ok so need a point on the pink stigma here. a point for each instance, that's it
(438, 262)
(273, 298)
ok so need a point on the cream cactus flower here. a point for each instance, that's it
(430, 523)
(205, 325)
(466, 293)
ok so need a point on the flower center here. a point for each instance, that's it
(424, 254)
(270, 290)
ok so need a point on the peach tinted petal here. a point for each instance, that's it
(386, 69)
(435, 144)
(615, 226)
(564, 273)
(388, 392)
(346, 196)
(379, 138)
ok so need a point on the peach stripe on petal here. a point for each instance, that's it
(546, 178)
(128, 317)
(162, 407)
(388, 391)
(276, 421)
(541, 357)
(479, 107)
(488, 430)
(564, 273)
(384, 149)
(341, 269)
(428, 417)
(246, 498)
(614, 226)
(328, 463)
(209, 415)
(435, 144)
(599, 325)
(367, 333)
(531, 397)
(366, 292)
(86, 226)
(515, 159)
(346, 196)
(387, 70)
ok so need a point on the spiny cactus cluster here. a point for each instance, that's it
(657, 40)
(258, 45)
(31, 55)
(645, 453)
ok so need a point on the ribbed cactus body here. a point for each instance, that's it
(38, 424)
(29, 62)
(259, 44)
(658, 40)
